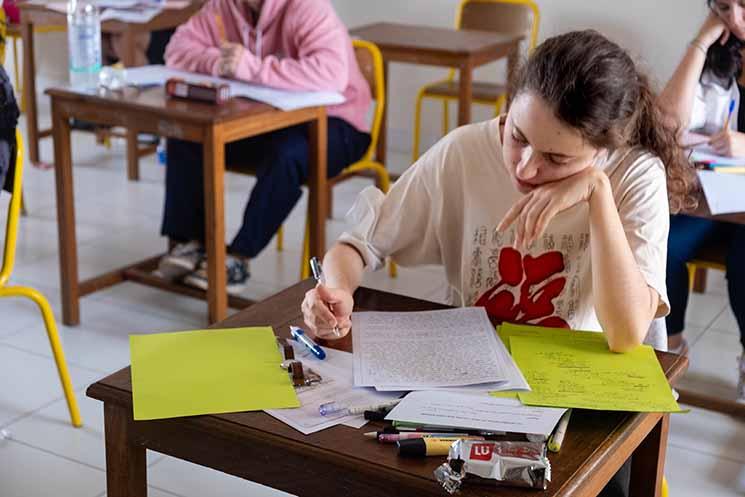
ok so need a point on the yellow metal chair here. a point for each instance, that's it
(710, 257)
(6, 290)
(14, 33)
(502, 16)
(371, 64)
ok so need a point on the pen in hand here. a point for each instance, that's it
(317, 270)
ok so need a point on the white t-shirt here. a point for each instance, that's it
(711, 105)
(445, 210)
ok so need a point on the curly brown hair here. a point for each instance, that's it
(595, 87)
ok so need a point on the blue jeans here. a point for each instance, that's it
(281, 159)
(687, 236)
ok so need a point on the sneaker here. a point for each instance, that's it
(236, 267)
(741, 379)
(183, 259)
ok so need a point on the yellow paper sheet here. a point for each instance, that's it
(208, 372)
(509, 330)
(566, 372)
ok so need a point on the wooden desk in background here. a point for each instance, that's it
(151, 111)
(340, 460)
(39, 15)
(461, 49)
(716, 254)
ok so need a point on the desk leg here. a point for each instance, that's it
(29, 91)
(512, 63)
(648, 462)
(465, 93)
(126, 469)
(68, 256)
(380, 153)
(128, 58)
(317, 184)
(133, 157)
(214, 199)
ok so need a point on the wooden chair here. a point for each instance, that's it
(370, 61)
(6, 290)
(501, 16)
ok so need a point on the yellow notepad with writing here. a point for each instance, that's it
(563, 371)
(208, 372)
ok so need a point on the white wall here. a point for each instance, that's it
(654, 31)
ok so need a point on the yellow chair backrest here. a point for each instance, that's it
(370, 61)
(520, 17)
(14, 213)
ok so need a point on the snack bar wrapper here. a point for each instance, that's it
(516, 464)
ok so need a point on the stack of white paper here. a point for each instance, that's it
(481, 413)
(281, 99)
(725, 193)
(448, 349)
(336, 386)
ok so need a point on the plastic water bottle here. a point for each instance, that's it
(84, 37)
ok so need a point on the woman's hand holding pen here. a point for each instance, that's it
(712, 30)
(230, 56)
(728, 143)
(326, 309)
(532, 213)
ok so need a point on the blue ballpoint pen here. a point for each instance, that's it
(299, 335)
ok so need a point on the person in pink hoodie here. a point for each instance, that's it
(287, 44)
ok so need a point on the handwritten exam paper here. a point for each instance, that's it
(207, 372)
(337, 374)
(567, 372)
(415, 350)
(281, 99)
(472, 412)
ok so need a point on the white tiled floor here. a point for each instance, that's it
(117, 222)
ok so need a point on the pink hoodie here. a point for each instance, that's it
(296, 45)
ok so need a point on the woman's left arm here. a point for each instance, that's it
(625, 304)
(628, 258)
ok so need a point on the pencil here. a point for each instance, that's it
(221, 29)
(729, 115)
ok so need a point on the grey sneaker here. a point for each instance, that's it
(237, 274)
(741, 379)
(183, 259)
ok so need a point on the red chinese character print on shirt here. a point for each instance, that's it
(538, 285)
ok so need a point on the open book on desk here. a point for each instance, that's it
(281, 99)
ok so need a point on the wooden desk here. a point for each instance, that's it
(692, 397)
(462, 49)
(340, 461)
(213, 126)
(40, 15)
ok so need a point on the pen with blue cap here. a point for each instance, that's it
(298, 334)
(729, 115)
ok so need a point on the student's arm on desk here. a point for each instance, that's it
(195, 46)
(404, 225)
(321, 63)
(329, 306)
(677, 98)
(625, 302)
